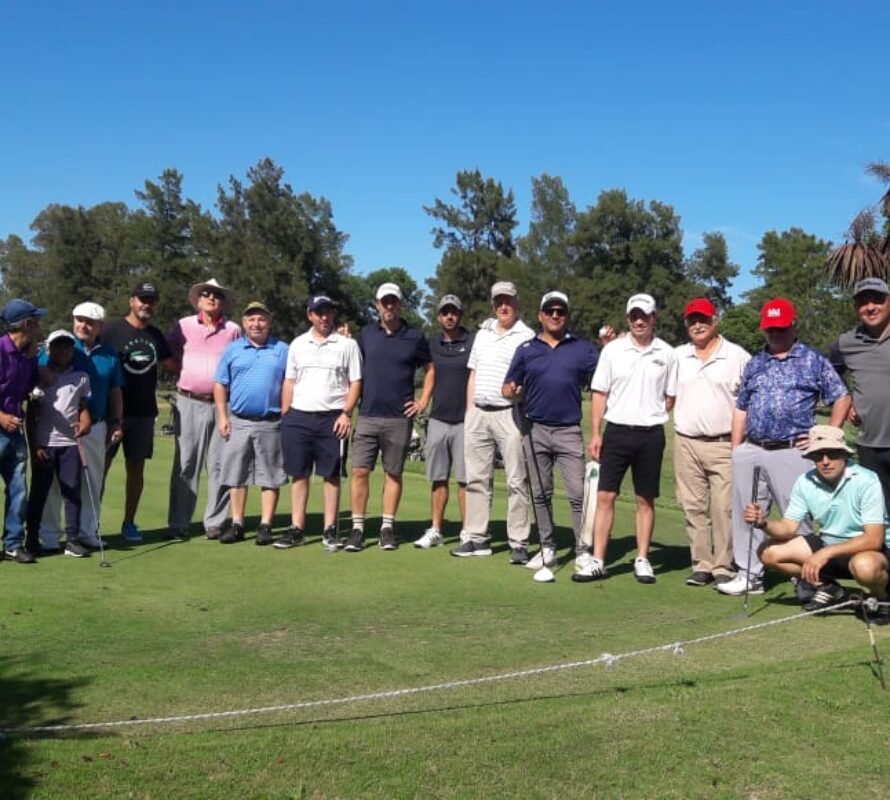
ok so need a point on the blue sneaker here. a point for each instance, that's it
(131, 532)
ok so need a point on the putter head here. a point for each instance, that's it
(105, 564)
(544, 575)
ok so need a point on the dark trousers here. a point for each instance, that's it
(62, 463)
(877, 459)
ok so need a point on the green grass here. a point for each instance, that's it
(789, 711)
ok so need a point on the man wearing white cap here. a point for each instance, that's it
(489, 425)
(197, 342)
(633, 390)
(105, 405)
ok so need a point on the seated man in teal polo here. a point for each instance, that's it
(847, 505)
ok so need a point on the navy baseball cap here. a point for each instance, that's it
(17, 310)
(318, 301)
(145, 290)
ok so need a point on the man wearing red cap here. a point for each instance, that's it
(709, 372)
(775, 410)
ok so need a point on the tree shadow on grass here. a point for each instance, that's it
(28, 701)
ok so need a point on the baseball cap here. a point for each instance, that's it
(643, 302)
(555, 299)
(318, 301)
(17, 310)
(388, 290)
(701, 305)
(826, 437)
(450, 300)
(60, 334)
(503, 287)
(89, 311)
(256, 307)
(145, 290)
(777, 313)
(871, 285)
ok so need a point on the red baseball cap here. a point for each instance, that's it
(701, 305)
(777, 313)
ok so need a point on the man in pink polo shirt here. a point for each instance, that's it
(197, 341)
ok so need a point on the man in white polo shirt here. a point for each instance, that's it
(633, 390)
(321, 389)
(489, 425)
(709, 374)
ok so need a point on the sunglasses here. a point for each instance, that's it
(212, 293)
(449, 312)
(555, 311)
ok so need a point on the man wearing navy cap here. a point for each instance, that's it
(18, 376)
(864, 353)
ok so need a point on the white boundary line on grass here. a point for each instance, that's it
(609, 659)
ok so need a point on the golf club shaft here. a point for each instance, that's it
(755, 489)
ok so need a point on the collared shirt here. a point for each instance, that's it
(139, 351)
(707, 390)
(323, 370)
(637, 379)
(841, 511)
(103, 367)
(450, 358)
(552, 377)
(868, 361)
(253, 375)
(390, 361)
(18, 376)
(199, 347)
(780, 394)
(491, 357)
(59, 408)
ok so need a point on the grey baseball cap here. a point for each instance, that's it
(871, 285)
(450, 300)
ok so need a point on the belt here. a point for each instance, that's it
(723, 437)
(262, 418)
(201, 398)
(773, 444)
(491, 408)
(635, 427)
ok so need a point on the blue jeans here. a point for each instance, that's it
(13, 462)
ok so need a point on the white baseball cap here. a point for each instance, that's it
(644, 302)
(388, 290)
(90, 311)
(555, 298)
(60, 334)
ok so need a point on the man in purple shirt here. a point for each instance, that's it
(18, 376)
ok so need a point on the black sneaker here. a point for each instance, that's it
(293, 537)
(874, 612)
(803, 590)
(76, 549)
(330, 539)
(176, 535)
(20, 555)
(263, 534)
(699, 579)
(470, 548)
(825, 596)
(356, 541)
(518, 556)
(213, 533)
(388, 539)
(234, 533)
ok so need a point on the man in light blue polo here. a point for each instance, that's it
(847, 503)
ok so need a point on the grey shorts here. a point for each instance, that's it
(252, 454)
(387, 435)
(138, 439)
(444, 448)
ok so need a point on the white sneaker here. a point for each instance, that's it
(738, 584)
(589, 568)
(643, 571)
(548, 560)
(430, 538)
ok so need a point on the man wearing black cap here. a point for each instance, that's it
(18, 376)
(864, 353)
(140, 347)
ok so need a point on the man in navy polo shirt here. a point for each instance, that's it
(391, 352)
(548, 372)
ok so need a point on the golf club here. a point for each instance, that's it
(544, 574)
(755, 484)
(103, 562)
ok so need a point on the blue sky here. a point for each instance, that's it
(746, 117)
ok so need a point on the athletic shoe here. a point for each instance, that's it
(430, 538)
(76, 549)
(737, 586)
(94, 543)
(331, 539)
(803, 590)
(879, 617)
(234, 533)
(470, 548)
(518, 556)
(131, 532)
(643, 571)
(356, 541)
(826, 595)
(176, 535)
(293, 537)
(548, 560)
(387, 539)
(699, 578)
(20, 555)
(263, 534)
(588, 568)
(721, 577)
(213, 533)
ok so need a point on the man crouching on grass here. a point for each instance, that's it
(847, 503)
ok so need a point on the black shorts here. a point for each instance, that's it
(838, 568)
(630, 446)
(138, 439)
(308, 438)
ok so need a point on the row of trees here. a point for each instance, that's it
(274, 244)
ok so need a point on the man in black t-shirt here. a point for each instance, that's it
(140, 347)
(445, 433)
